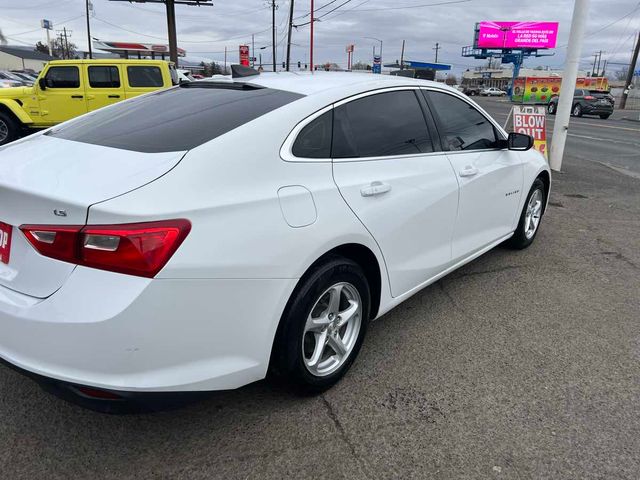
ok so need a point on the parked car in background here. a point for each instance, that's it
(68, 88)
(9, 84)
(471, 90)
(492, 92)
(154, 249)
(587, 102)
(6, 75)
(27, 79)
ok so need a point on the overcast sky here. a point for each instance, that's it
(205, 31)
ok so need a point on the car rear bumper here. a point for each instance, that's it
(130, 334)
(597, 109)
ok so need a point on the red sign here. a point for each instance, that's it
(5, 242)
(532, 121)
(244, 55)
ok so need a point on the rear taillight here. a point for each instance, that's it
(589, 97)
(141, 249)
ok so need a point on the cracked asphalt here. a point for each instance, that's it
(520, 365)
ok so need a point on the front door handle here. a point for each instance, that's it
(114, 96)
(376, 188)
(469, 171)
(76, 96)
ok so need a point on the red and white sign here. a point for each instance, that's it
(532, 121)
(244, 55)
(5, 242)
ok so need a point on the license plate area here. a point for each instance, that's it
(5, 242)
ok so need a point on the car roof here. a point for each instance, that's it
(307, 83)
(107, 61)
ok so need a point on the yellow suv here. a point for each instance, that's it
(68, 88)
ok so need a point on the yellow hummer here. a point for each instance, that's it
(68, 88)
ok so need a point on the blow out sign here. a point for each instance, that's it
(532, 121)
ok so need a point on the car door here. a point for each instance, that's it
(490, 176)
(64, 96)
(392, 175)
(104, 86)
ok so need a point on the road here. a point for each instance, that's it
(615, 141)
(520, 365)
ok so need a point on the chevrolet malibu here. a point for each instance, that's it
(202, 237)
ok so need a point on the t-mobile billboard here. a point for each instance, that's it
(517, 34)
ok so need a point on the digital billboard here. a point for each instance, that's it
(517, 35)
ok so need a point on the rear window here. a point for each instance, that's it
(176, 119)
(145, 76)
(104, 77)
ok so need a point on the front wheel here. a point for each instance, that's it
(323, 327)
(577, 110)
(551, 108)
(530, 218)
(9, 130)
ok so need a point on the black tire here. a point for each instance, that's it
(9, 129)
(520, 239)
(576, 111)
(287, 358)
(551, 108)
(604, 116)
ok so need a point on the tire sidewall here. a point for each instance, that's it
(287, 358)
(11, 127)
(519, 239)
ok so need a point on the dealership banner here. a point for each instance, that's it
(531, 121)
(517, 35)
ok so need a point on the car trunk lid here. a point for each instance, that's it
(50, 181)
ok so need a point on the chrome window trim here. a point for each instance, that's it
(287, 155)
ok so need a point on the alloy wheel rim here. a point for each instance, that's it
(331, 330)
(533, 214)
(576, 111)
(4, 131)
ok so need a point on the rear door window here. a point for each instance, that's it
(104, 77)
(63, 77)
(380, 125)
(144, 76)
(461, 126)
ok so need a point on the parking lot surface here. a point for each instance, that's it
(519, 365)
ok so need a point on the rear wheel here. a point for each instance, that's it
(577, 110)
(324, 324)
(9, 130)
(530, 217)
(551, 108)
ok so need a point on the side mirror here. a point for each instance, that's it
(519, 142)
(42, 83)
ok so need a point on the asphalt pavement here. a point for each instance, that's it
(520, 365)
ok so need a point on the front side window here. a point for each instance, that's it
(104, 77)
(314, 140)
(380, 125)
(63, 77)
(144, 76)
(461, 126)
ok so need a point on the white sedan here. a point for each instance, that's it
(492, 92)
(197, 238)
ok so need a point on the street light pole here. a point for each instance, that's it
(88, 29)
(565, 102)
(311, 40)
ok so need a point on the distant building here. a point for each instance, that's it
(22, 58)
(501, 77)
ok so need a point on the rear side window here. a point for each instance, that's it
(380, 125)
(314, 140)
(104, 77)
(461, 126)
(177, 119)
(63, 77)
(144, 76)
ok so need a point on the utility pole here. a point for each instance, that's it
(311, 41)
(66, 54)
(402, 57)
(87, 5)
(289, 33)
(225, 60)
(599, 59)
(632, 69)
(253, 51)
(565, 102)
(437, 47)
(273, 32)
(171, 29)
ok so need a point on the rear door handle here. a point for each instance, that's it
(76, 96)
(376, 188)
(114, 96)
(468, 171)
